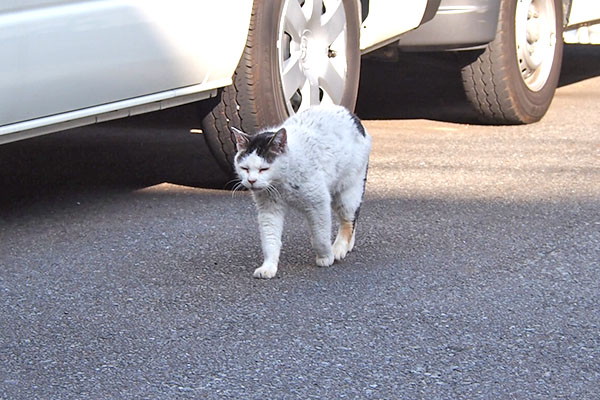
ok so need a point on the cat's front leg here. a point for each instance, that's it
(270, 224)
(266, 271)
(319, 222)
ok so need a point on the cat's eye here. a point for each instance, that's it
(263, 169)
(244, 169)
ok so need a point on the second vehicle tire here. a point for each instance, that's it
(514, 79)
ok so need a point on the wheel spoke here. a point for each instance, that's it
(314, 93)
(332, 83)
(334, 23)
(310, 94)
(292, 76)
(295, 21)
(316, 9)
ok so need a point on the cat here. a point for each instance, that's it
(315, 161)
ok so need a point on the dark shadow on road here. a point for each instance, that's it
(580, 62)
(137, 152)
(428, 85)
(121, 156)
(417, 86)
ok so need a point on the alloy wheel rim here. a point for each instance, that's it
(312, 53)
(535, 36)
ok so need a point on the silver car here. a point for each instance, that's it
(76, 62)
(253, 63)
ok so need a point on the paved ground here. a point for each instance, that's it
(125, 273)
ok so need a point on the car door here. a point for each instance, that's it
(583, 11)
(60, 56)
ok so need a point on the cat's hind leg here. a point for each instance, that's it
(347, 207)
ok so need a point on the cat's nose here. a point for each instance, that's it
(252, 181)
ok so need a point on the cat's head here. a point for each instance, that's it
(258, 159)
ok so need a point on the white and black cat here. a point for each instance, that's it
(315, 161)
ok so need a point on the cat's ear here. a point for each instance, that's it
(241, 139)
(278, 142)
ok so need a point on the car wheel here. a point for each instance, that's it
(299, 53)
(513, 81)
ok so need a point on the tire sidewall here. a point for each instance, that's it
(270, 105)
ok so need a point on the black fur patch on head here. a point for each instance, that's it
(358, 124)
(264, 146)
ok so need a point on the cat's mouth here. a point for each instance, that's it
(254, 187)
(262, 187)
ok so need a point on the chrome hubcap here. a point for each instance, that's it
(535, 37)
(312, 53)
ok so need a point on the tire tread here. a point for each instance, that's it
(228, 111)
(491, 81)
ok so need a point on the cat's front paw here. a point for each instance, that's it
(265, 272)
(325, 261)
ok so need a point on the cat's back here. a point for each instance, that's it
(328, 125)
(328, 142)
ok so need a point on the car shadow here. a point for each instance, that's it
(146, 150)
(580, 62)
(415, 86)
(428, 85)
(121, 156)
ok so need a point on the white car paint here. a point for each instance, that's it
(77, 62)
(387, 20)
(583, 11)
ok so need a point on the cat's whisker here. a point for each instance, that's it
(236, 188)
(275, 191)
(232, 181)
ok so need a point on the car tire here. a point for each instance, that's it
(514, 79)
(290, 61)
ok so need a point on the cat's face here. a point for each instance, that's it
(257, 160)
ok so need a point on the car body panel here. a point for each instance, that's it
(68, 63)
(458, 24)
(64, 56)
(584, 23)
(583, 11)
(387, 20)
(471, 24)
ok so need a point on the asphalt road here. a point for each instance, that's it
(126, 272)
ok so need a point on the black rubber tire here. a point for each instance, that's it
(493, 82)
(255, 99)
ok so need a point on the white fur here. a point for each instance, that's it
(324, 164)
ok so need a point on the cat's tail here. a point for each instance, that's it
(358, 124)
